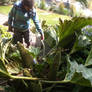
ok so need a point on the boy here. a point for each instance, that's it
(19, 21)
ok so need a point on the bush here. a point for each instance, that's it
(62, 9)
(4, 2)
(42, 5)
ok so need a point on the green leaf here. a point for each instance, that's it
(14, 67)
(36, 86)
(4, 43)
(4, 33)
(89, 59)
(50, 38)
(80, 43)
(27, 58)
(78, 74)
(66, 30)
(3, 70)
(34, 51)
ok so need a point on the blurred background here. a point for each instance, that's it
(66, 7)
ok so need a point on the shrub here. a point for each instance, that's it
(62, 9)
(42, 5)
(4, 2)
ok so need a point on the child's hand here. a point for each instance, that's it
(42, 36)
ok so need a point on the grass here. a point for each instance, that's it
(5, 9)
(51, 18)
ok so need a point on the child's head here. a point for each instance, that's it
(28, 4)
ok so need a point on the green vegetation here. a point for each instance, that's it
(51, 18)
(63, 64)
(5, 9)
(42, 5)
(66, 64)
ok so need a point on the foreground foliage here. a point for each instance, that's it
(66, 64)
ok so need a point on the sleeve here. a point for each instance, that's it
(36, 22)
(11, 16)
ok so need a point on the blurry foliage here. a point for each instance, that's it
(42, 5)
(60, 8)
(4, 33)
(61, 68)
(5, 2)
(83, 2)
(72, 9)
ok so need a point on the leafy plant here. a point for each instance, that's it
(4, 33)
(61, 67)
(66, 30)
(78, 74)
(42, 4)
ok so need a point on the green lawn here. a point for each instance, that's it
(5, 9)
(51, 18)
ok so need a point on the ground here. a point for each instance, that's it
(3, 18)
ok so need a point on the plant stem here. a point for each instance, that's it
(24, 78)
(55, 82)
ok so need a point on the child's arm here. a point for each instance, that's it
(37, 24)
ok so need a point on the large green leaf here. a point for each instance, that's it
(78, 74)
(3, 71)
(27, 58)
(80, 43)
(14, 67)
(66, 30)
(50, 37)
(34, 51)
(4, 43)
(89, 59)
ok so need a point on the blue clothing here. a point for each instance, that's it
(19, 18)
